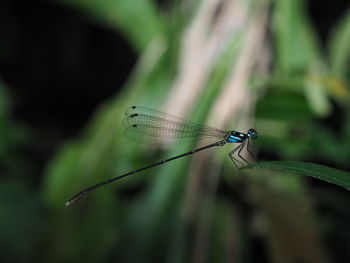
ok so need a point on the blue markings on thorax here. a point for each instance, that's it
(236, 137)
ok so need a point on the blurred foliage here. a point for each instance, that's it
(191, 211)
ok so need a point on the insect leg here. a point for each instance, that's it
(239, 152)
(251, 153)
(233, 159)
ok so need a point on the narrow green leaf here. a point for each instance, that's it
(318, 171)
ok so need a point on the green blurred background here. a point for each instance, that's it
(68, 70)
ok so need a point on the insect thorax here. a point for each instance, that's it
(236, 137)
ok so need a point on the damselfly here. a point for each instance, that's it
(149, 126)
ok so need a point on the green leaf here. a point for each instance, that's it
(316, 92)
(295, 40)
(339, 47)
(318, 171)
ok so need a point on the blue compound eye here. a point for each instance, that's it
(252, 134)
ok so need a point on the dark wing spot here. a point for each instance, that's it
(134, 125)
(133, 115)
(133, 107)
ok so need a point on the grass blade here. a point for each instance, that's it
(325, 173)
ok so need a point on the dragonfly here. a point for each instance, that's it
(146, 125)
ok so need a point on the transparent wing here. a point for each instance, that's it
(147, 125)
